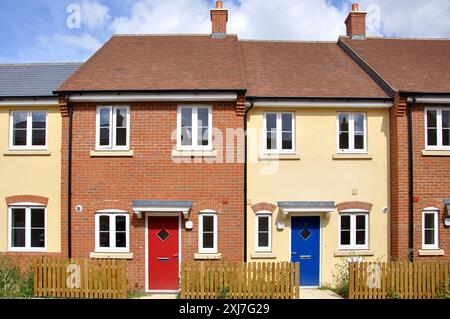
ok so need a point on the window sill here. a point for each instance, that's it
(199, 153)
(111, 255)
(112, 153)
(200, 256)
(352, 157)
(353, 253)
(436, 153)
(431, 252)
(279, 157)
(262, 255)
(27, 153)
(26, 250)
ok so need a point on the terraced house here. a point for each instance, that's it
(318, 188)
(141, 154)
(416, 73)
(31, 222)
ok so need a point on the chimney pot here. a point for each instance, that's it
(219, 19)
(356, 23)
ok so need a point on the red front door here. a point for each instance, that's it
(163, 253)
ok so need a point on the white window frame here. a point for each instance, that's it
(257, 217)
(279, 137)
(353, 214)
(112, 130)
(435, 212)
(29, 145)
(207, 213)
(351, 132)
(112, 232)
(27, 207)
(194, 146)
(439, 146)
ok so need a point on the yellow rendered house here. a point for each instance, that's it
(30, 158)
(317, 160)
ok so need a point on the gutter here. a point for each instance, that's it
(245, 178)
(444, 99)
(322, 102)
(411, 179)
(69, 182)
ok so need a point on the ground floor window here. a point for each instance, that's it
(112, 232)
(27, 228)
(353, 230)
(207, 232)
(430, 228)
(263, 232)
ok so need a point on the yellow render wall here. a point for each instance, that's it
(317, 177)
(32, 175)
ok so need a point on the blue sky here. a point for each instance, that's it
(37, 30)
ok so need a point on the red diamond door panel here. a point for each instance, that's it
(163, 259)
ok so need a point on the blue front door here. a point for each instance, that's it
(305, 248)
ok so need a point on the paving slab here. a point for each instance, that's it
(316, 293)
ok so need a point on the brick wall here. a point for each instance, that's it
(399, 174)
(431, 183)
(151, 174)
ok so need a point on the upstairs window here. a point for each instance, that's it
(194, 128)
(28, 130)
(352, 133)
(113, 128)
(279, 131)
(437, 129)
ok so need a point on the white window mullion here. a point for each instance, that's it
(29, 130)
(111, 128)
(195, 127)
(352, 231)
(279, 132)
(27, 228)
(210, 127)
(439, 128)
(351, 134)
(112, 231)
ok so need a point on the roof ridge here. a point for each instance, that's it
(286, 41)
(167, 35)
(41, 64)
(406, 38)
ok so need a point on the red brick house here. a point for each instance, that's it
(143, 178)
(416, 73)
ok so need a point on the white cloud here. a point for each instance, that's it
(412, 18)
(288, 19)
(94, 15)
(61, 47)
(169, 16)
(81, 42)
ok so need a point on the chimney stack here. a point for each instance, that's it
(356, 23)
(219, 19)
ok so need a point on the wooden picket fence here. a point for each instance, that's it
(238, 280)
(398, 280)
(80, 278)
